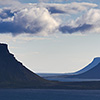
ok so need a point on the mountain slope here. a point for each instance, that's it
(93, 73)
(89, 73)
(14, 74)
(95, 62)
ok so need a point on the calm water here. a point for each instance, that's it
(33, 94)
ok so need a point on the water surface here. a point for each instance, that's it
(43, 94)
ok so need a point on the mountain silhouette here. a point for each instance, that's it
(14, 74)
(91, 71)
(95, 62)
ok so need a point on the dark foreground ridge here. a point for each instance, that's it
(13, 74)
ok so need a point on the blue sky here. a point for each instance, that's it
(51, 38)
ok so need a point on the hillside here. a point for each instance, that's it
(14, 74)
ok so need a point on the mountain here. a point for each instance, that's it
(14, 74)
(89, 73)
(95, 62)
(92, 71)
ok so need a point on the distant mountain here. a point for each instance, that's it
(92, 71)
(89, 73)
(95, 62)
(14, 74)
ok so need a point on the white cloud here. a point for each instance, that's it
(27, 37)
(89, 22)
(57, 0)
(70, 8)
(34, 21)
(91, 17)
(9, 2)
(38, 19)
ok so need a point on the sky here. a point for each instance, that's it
(51, 36)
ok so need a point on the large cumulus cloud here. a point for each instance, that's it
(33, 21)
(39, 19)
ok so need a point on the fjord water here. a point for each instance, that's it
(37, 94)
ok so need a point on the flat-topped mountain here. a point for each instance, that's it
(14, 74)
(95, 62)
(91, 71)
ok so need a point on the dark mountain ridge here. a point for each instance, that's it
(14, 73)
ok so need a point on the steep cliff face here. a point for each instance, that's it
(14, 74)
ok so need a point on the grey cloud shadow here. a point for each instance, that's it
(69, 29)
(5, 13)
